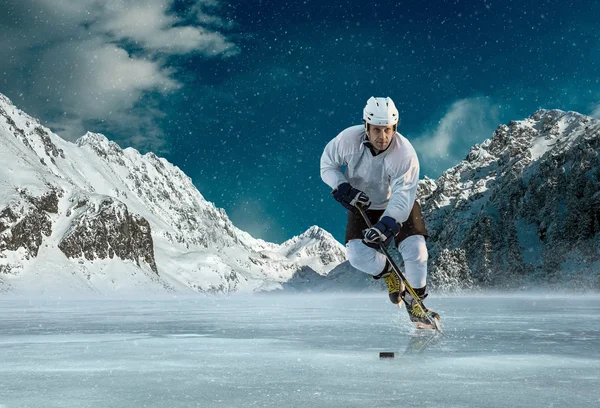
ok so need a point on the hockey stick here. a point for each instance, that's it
(399, 273)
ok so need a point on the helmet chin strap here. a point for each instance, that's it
(368, 138)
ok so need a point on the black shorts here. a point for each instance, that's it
(414, 225)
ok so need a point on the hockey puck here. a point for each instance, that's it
(386, 354)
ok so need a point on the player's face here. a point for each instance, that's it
(380, 136)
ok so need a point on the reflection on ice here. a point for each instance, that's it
(301, 351)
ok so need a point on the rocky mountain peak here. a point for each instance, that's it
(318, 244)
(316, 232)
(100, 144)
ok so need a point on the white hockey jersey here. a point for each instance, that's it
(389, 179)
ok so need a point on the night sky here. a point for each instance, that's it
(244, 95)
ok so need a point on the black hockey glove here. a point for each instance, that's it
(350, 197)
(384, 231)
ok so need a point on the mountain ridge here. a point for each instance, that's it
(88, 204)
(519, 210)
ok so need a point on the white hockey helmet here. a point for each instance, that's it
(380, 112)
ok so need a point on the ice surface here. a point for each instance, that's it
(299, 351)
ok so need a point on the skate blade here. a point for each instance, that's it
(437, 325)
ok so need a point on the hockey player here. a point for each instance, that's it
(381, 175)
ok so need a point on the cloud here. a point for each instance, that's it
(205, 13)
(150, 25)
(595, 113)
(466, 122)
(76, 63)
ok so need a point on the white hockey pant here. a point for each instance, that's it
(413, 250)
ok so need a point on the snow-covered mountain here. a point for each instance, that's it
(522, 209)
(90, 216)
